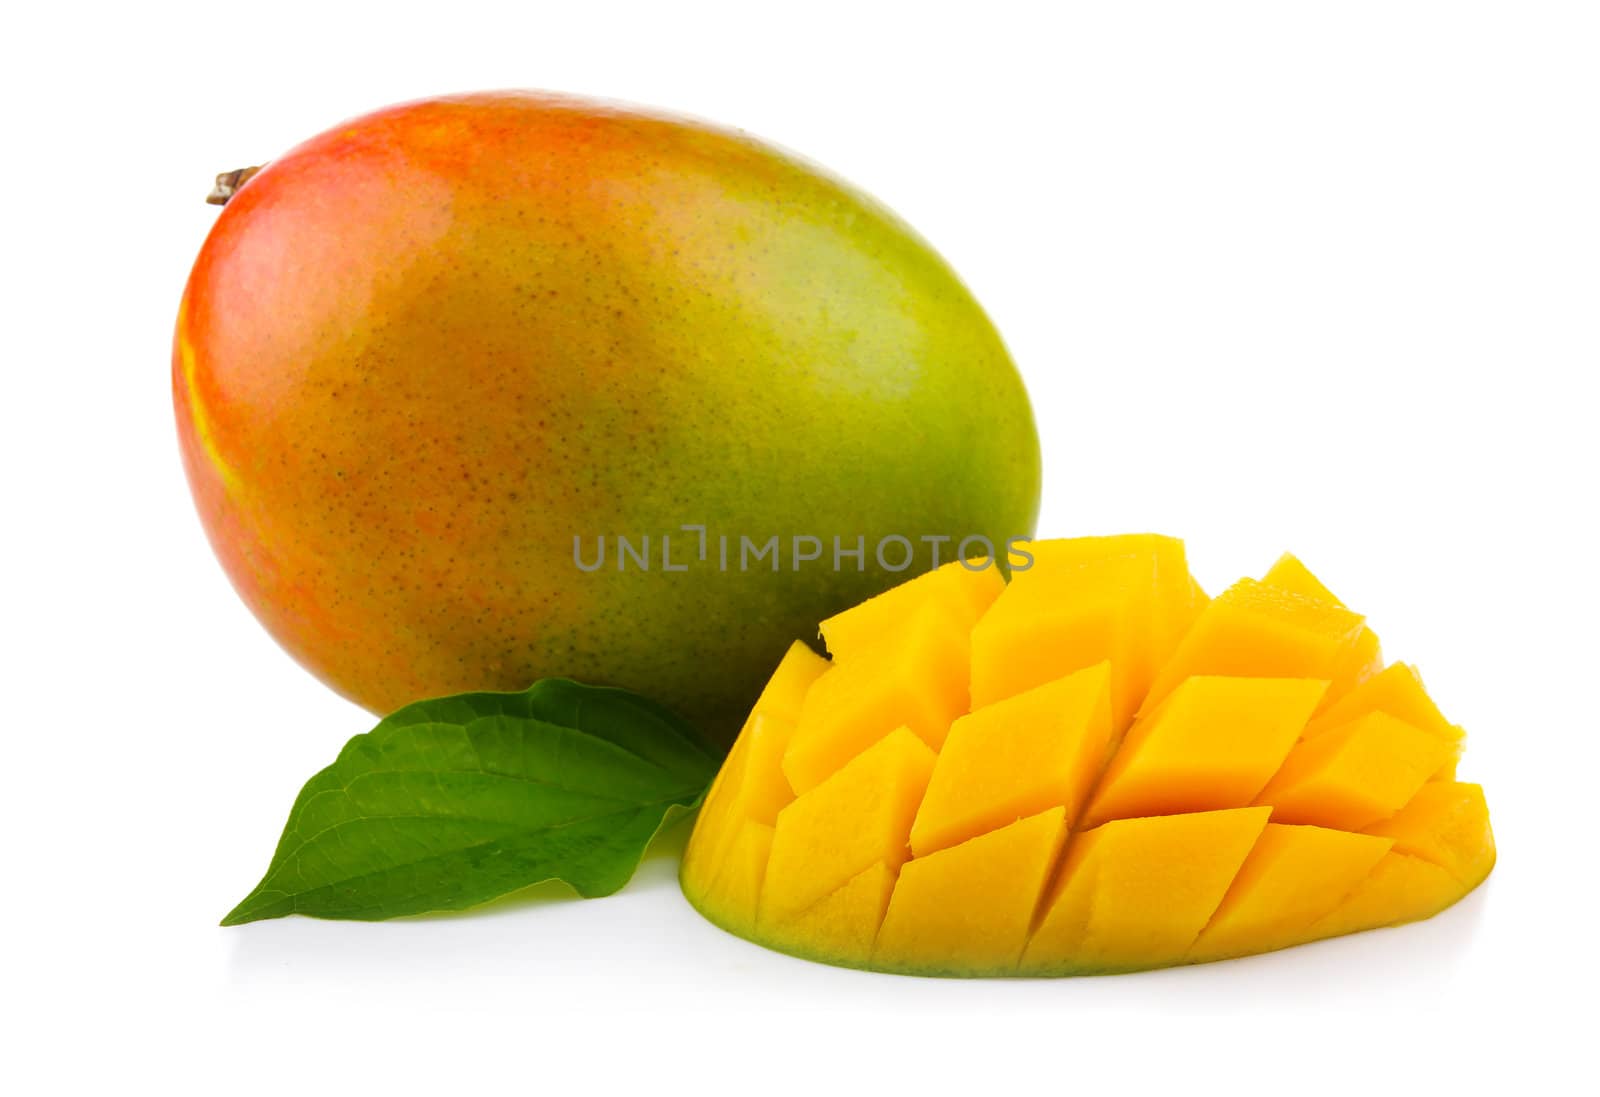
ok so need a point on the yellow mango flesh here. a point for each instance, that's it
(1400, 889)
(1125, 600)
(1366, 656)
(959, 590)
(915, 680)
(1259, 631)
(1356, 775)
(786, 691)
(1017, 757)
(1447, 823)
(768, 729)
(1175, 597)
(966, 910)
(1293, 876)
(761, 791)
(965, 790)
(858, 816)
(1398, 691)
(1289, 574)
(1135, 893)
(1214, 743)
(734, 891)
(839, 928)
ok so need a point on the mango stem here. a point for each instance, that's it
(228, 184)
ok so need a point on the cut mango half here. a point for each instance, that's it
(1093, 768)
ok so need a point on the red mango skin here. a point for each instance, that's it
(422, 352)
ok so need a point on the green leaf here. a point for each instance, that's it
(450, 803)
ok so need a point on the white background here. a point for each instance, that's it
(1322, 277)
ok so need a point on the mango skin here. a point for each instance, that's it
(423, 351)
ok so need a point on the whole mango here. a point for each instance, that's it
(453, 378)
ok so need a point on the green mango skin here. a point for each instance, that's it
(422, 352)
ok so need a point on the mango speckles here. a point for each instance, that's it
(422, 353)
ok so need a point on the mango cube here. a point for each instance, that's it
(1447, 823)
(966, 909)
(918, 681)
(1258, 631)
(766, 735)
(1366, 656)
(1289, 574)
(1137, 892)
(1293, 877)
(859, 816)
(1085, 601)
(1400, 889)
(735, 891)
(1398, 691)
(840, 927)
(765, 791)
(1214, 743)
(762, 790)
(1017, 757)
(961, 591)
(785, 691)
(1354, 776)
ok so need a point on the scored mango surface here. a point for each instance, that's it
(1092, 768)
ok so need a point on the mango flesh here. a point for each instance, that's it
(1240, 813)
(423, 352)
(1356, 775)
(1125, 600)
(967, 909)
(741, 791)
(1257, 630)
(1025, 755)
(1135, 893)
(858, 817)
(1213, 743)
(1365, 657)
(914, 679)
(1294, 876)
